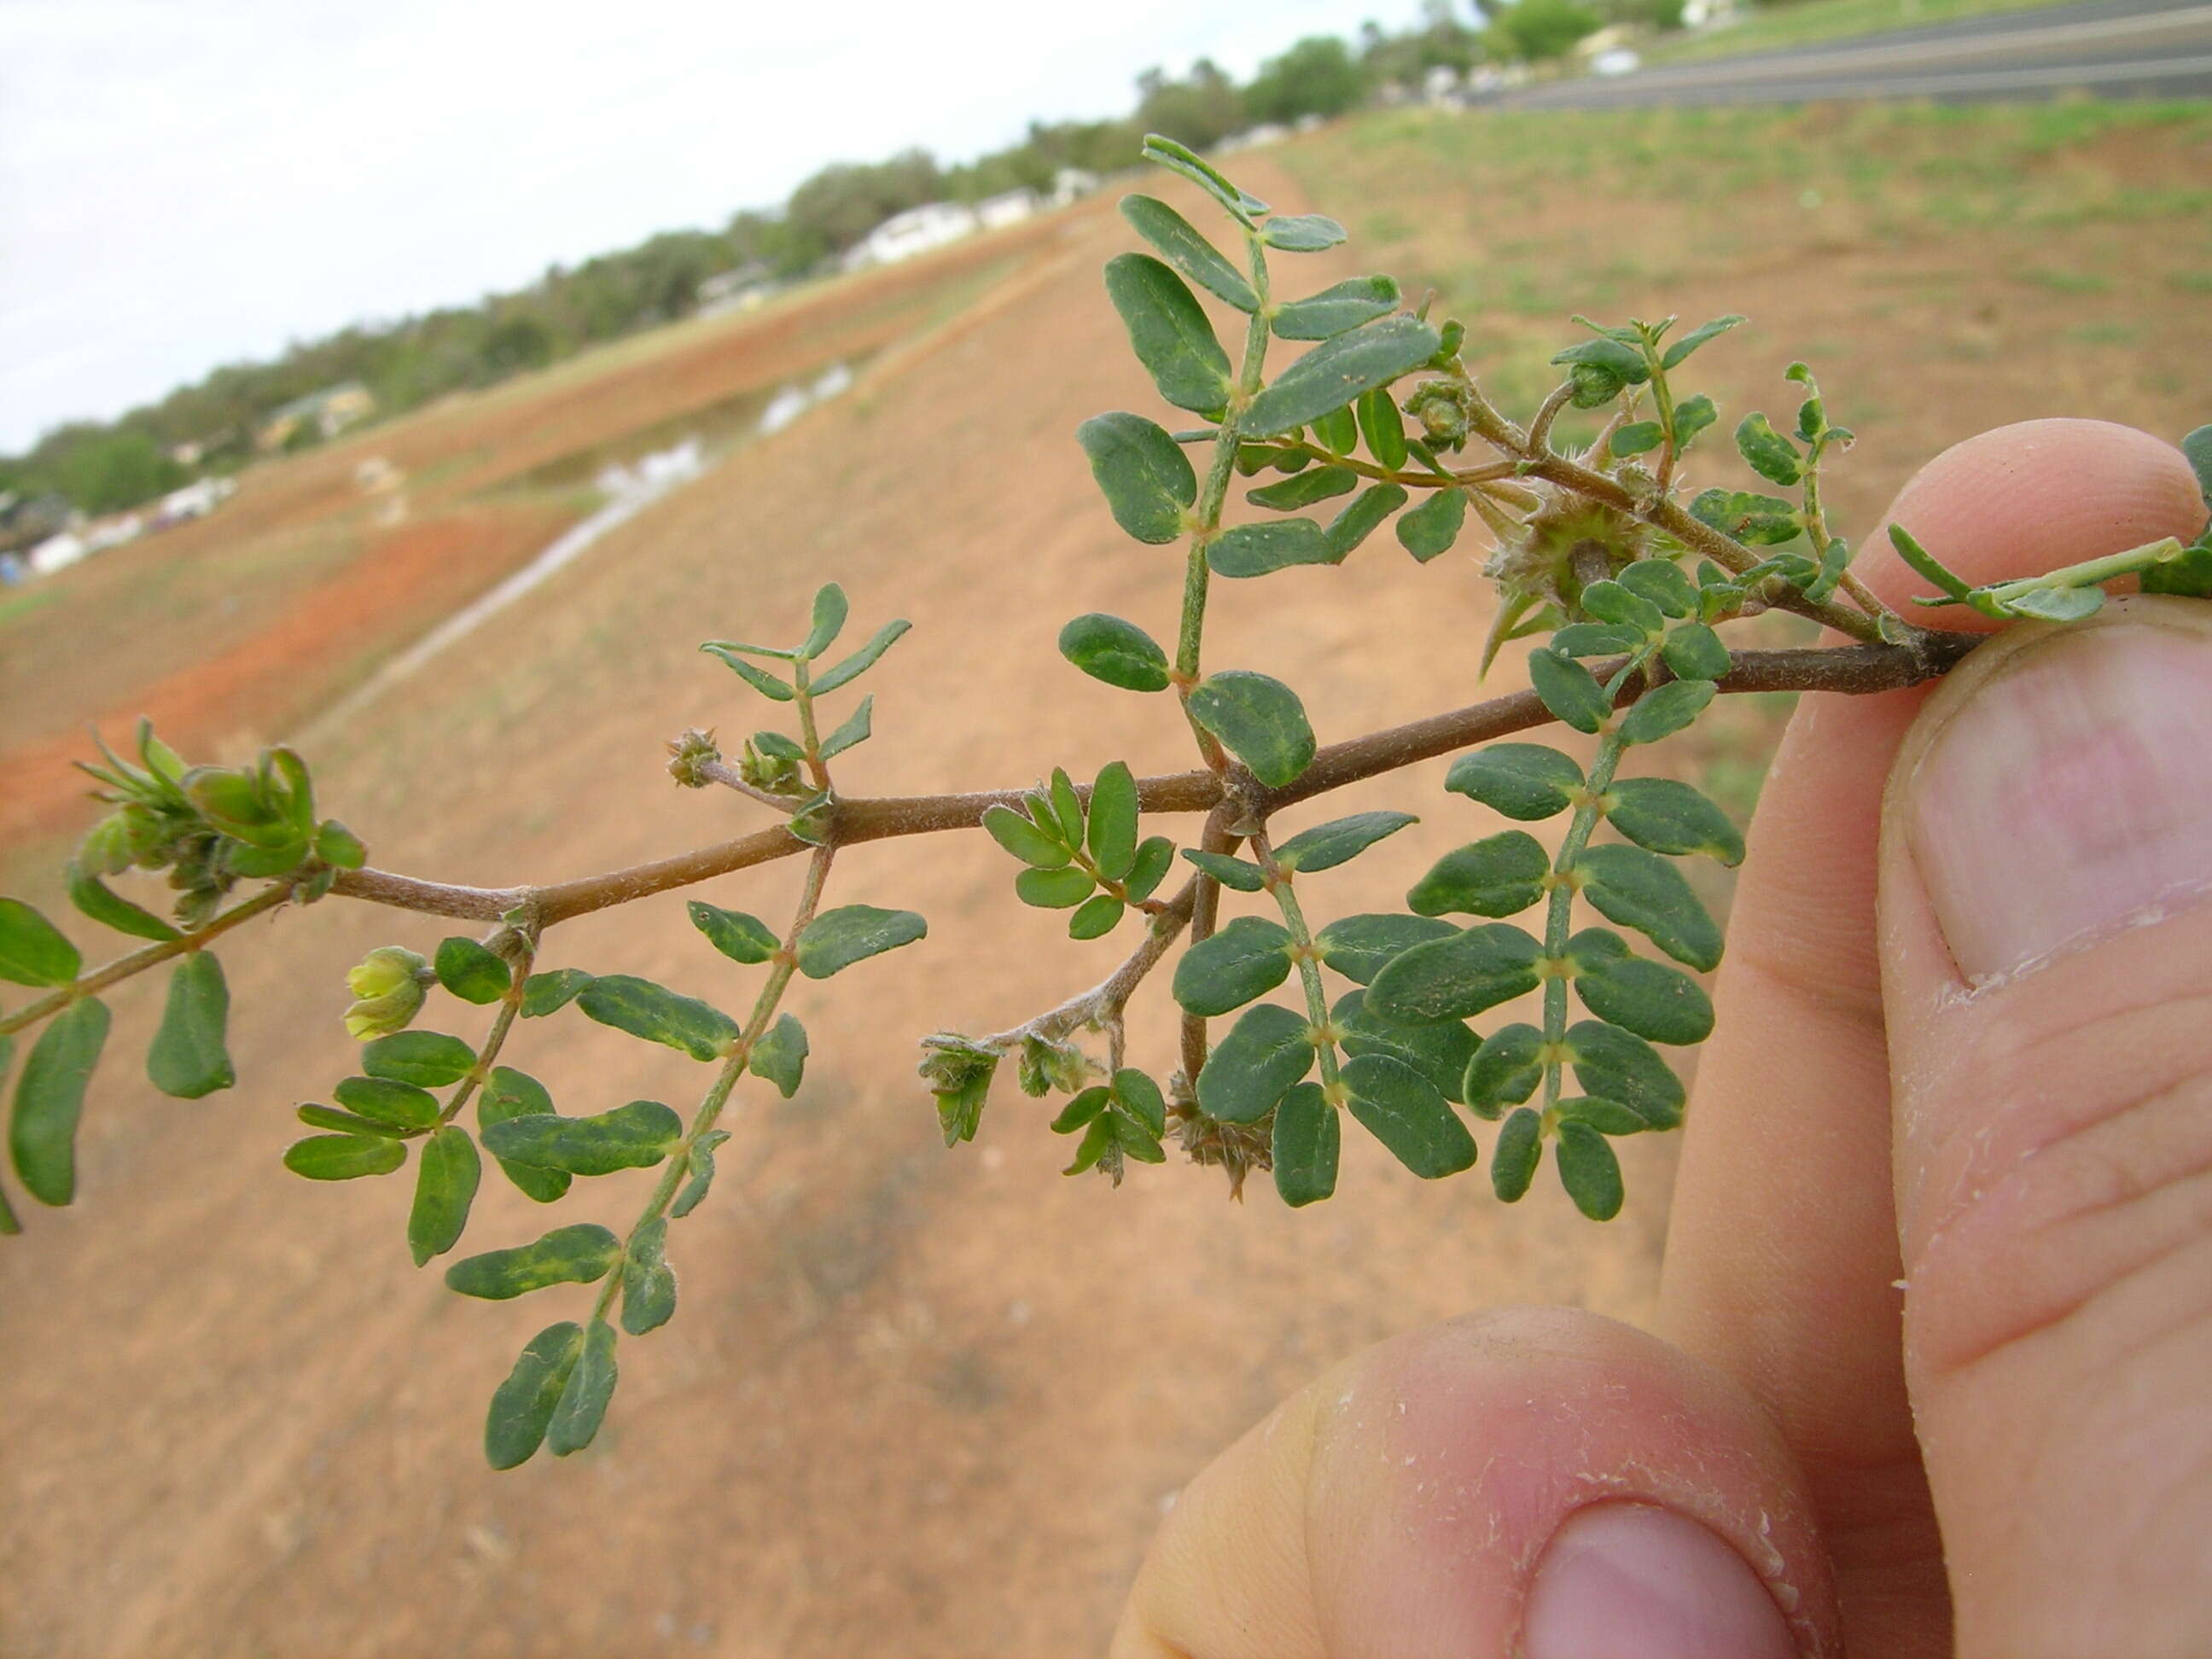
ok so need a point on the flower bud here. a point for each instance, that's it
(388, 984)
(689, 753)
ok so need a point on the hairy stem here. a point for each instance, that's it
(1308, 961)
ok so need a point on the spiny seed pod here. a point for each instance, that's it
(1443, 408)
(388, 986)
(689, 753)
(1237, 1148)
(1562, 547)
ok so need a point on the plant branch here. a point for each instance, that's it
(723, 773)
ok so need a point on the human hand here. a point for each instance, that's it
(1964, 1047)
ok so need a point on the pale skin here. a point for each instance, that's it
(1993, 1090)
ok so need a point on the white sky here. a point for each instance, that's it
(190, 182)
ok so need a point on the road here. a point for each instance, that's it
(2111, 48)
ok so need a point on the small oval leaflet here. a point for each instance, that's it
(1569, 691)
(403, 1105)
(740, 937)
(1227, 869)
(1643, 891)
(1440, 1053)
(342, 1157)
(1657, 1002)
(1457, 977)
(428, 1059)
(1019, 835)
(1301, 233)
(1588, 1170)
(1513, 1161)
(1358, 947)
(1315, 484)
(1168, 330)
(780, 1057)
(658, 1015)
(523, 1405)
(580, 1255)
(635, 1136)
(1340, 841)
(1307, 1137)
(1617, 1065)
(1500, 875)
(1332, 374)
(837, 939)
(1333, 310)
(1053, 889)
(1524, 780)
(188, 1058)
(1248, 959)
(1146, 478)
(1260, 550)
(508, 1094)
(1118, 653)
(549, 993)
(1505, 1069)
(33, 950)
(50, 1098)
(583, 1403)
(1259, 720)
(1665, 710)
(446, 1177)
(1096, 917)
(1180, 243)
(472, 972)
(1402, 1109)
(1431, 528)
(95, 899)
(1666, 816)
(1112, 824)
(1267, 1050)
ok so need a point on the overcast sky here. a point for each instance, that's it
(185, 183)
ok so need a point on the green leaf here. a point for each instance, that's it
(1770, 454)
(1568, 689)
(33, 950)
(2196, 448)
(1140, 1097)
(740, 937)
(1301, 233)
(1500, 875)
(780, 1057)
(1524, 780)
(1067, 807)
(848, 669)
(1340, 841)
(837, 939)
(1611, 602)
(1096, 917)
(830, 613)
(1657, 1002)
(1620, 1066)
(1337, 431)
(1248, 959)
(339, 846)
(95, 899)
(1431, 528)
(1505, 1070)
(1021, 837)
(1332, 374)
(1643, 891)
(1595, 639)
(1457, 977)
(1382, 428)
(1307, 1136)
(1692, 417)
(506, 1094)
(1694, 652)
(50, 1098)
(342, 1158)
(648, 1290)
(699, 1162)
(1679, 351)
(1155, 857)
(522, 1406)
(1636, 438)
(1588, 1170)
(471, 971)
(1259, 720)
(1267, 1050)
(1146, 478)
(1181, 159)
(1054, 889)
(1665, 710)
(1358, 946)
(580, 1254)
(446, 1177)
(1513, 1161)
(2057, 604)
(550, 992)
(1600, 369)
(1260, 550)
(583, 1403)
(635, 1136)
(1180, 243)
(1403, 1110)
(1336, 309)
(189, 1059)
(1662, 581)
(1440, 1053)
(1363, 518)
(428, 1059)
(1607, 1117)
(1319, 483)
(1757, 521)
(1168, 332)
(1239, 873)
(752, 674)
(345, 1123)
(1112, 832)
(1672, 817)
(386, 1100)
(1083, 1110)
(2189, 573)
(854, 730)
(1118, 653)
(658, 1015)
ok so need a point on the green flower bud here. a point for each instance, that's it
(687, 754)
(388, 986)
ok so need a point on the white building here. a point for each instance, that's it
(1069, 183)
(58, 553)
(917, 230)
(1009, 209)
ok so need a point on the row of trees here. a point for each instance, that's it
(104, 466)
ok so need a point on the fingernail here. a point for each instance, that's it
(2069, 797)
(1629, 1581)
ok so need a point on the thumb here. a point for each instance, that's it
(2047, 917)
